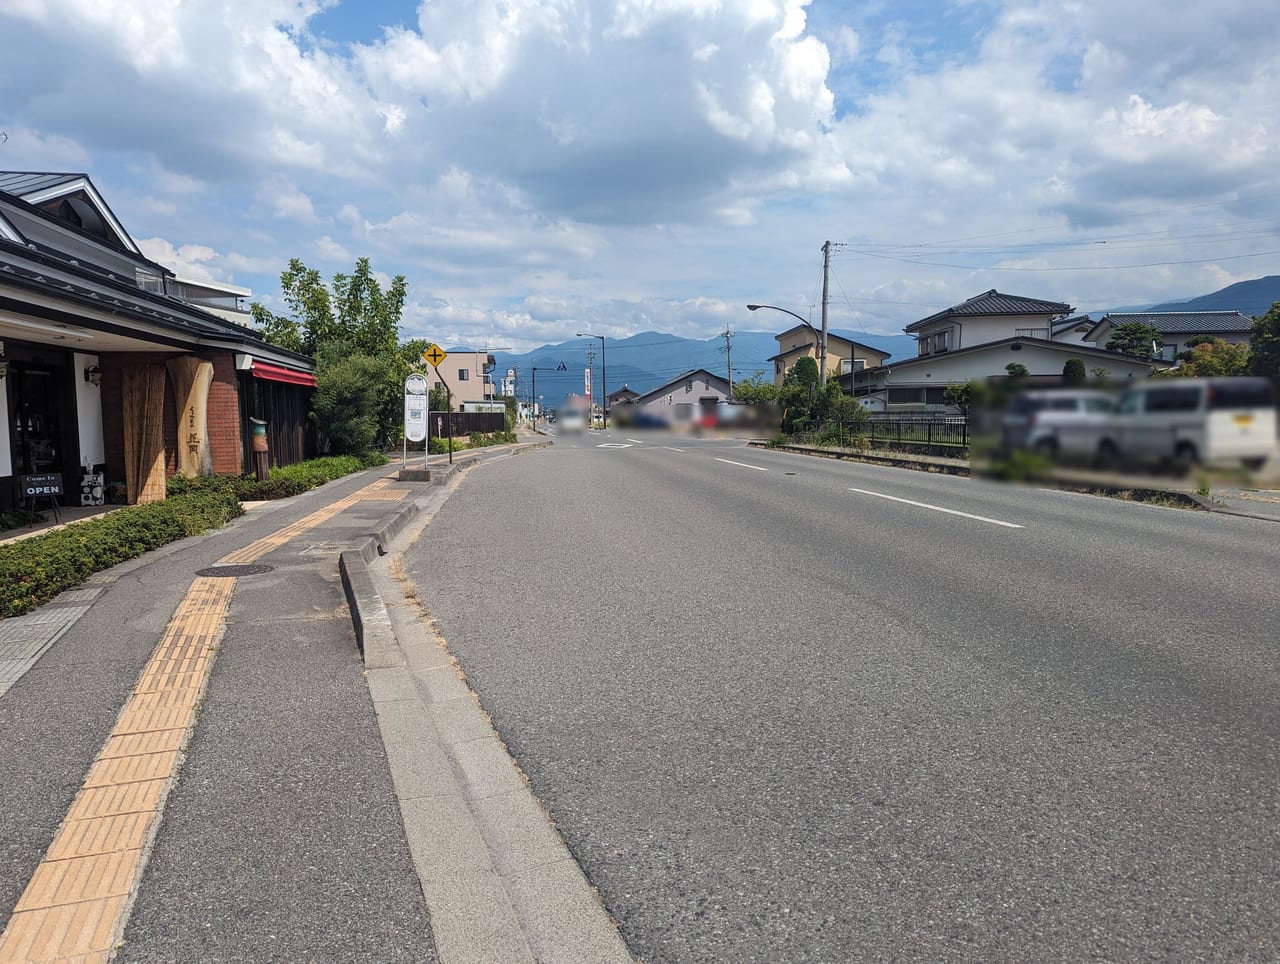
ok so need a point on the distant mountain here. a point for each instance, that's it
(649, 359)
(1252, 298)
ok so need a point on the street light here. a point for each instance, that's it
(817, 338)
(604, 377)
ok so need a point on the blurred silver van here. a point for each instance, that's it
(1183, 422)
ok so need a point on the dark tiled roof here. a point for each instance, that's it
(1072, 322)
(1185, 322)
(670, 386)
(22, 183)
(992, 303)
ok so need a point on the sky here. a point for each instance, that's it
(538, 168)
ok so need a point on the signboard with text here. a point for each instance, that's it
(415, 408)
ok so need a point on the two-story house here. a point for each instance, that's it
(843, 354)
(978, 339)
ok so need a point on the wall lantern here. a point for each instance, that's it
(93, 375)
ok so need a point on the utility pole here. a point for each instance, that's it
(728, 350)
(591, 367)
(822, 348)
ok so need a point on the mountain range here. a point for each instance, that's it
(643, 362)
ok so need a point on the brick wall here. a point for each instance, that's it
(224, 411)
(224, 415)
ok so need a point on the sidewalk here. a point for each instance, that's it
(196, 767)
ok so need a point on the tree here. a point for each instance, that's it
(1264, 345)
(755, 390)
(1135, 338)
(1191, 343)
(1017, 370)
(1213, 357)
(959, 396)
(354, 318)
(798, 394)
(344, 408)
(1073, 372)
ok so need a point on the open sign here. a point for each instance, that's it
(45, 484)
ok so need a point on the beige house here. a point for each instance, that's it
(467, 375)
(843, 355)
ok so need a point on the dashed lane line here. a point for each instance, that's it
(758, 468)
(938, 508)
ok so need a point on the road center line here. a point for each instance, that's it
(672, 449)
(758, 468)
(938, 508)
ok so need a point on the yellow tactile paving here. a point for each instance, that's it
(74, 907)
(60, 882)
(151, 741)
(139, 797)
(100, 835)
(85, 928)
(131, 769)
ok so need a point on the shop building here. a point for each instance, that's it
(112, 369)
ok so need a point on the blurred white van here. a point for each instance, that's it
(1188, 421)
(571, 421)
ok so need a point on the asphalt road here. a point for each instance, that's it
(781, 715)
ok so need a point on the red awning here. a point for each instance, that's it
(278, 373)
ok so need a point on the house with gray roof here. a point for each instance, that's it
(113, 369)
(1176, 327)
(684, 399)
(977, 339)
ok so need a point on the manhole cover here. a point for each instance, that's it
(230, 571)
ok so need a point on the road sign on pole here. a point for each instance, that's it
(434, 355)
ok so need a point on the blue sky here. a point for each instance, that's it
(540, 167)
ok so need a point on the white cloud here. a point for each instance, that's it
(286, 201)
(630, 157)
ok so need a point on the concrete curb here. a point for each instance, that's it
(499, 881)
(1136, 491)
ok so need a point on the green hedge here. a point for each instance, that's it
(33, 571)
(283, 481)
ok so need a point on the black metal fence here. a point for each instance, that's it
(889, 430)
(467, 423)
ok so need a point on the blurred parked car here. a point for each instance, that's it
(1057, 422)
(1181, 422)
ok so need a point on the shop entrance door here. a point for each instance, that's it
(37, 423)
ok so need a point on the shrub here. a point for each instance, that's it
(35, 570)
(437, 445)
(19, 517)
(778, 441)
(283, 481)
(481, 440)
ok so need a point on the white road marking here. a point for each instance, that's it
(938, 508)
(670, 449)
(613, 445)
(758, 468)
(636, 440)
